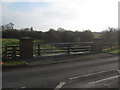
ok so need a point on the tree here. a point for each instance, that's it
(110, 35)
(52, 36)
(86, 36)
(61, 29)
(9, 26)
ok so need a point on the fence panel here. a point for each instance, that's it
(62, 48)
(10, 52)
(13, 51)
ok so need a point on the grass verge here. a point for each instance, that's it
(12, 64)
(115, 52)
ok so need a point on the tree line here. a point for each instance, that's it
(60, 35)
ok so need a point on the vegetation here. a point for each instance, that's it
(13, 63)
(115, 51)
(59, 35)
(11, 35)
(10, 41)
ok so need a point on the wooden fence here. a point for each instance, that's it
(13, 51)
(41, 49)
(63, 48)
(10, 52)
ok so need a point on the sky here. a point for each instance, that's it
(95, 15)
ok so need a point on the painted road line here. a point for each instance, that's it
(118, 71)
(60, 85)
(113, 77)
(22, 87)
(91, 74)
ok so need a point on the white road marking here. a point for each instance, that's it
(104, 79)
(90, 74)
(60, 85)
(118, 71)
(22, 87)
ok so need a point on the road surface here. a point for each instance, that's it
(78, 74)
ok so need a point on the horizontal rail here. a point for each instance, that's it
(68, 43)
(80, 50)
(83, 47)
(51, 52)
(9, 46)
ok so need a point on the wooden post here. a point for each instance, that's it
(26, 48)
(68, 49)
(38, 49)
(13, 52)
(5, 52)
(92, 48)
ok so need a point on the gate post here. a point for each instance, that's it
(93, 49)
(26, 48)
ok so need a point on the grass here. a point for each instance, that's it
(10, 41)
(14, 63)
(115, 51)
(38, 41)
(6, 41)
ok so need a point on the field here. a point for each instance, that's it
(10, 42)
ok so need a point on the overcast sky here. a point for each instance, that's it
(96, 15)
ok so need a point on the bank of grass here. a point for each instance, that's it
(115, 51)
(12, 64)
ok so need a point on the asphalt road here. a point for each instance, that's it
(57, 75)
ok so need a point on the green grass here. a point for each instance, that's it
(14, 63)
(6, 41)
(115, 51)
(38, 41)
(10, 41)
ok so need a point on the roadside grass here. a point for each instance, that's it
(13, 63)
(115, 51)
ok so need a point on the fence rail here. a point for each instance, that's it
(10, 52)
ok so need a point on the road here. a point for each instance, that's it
(57, 75)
